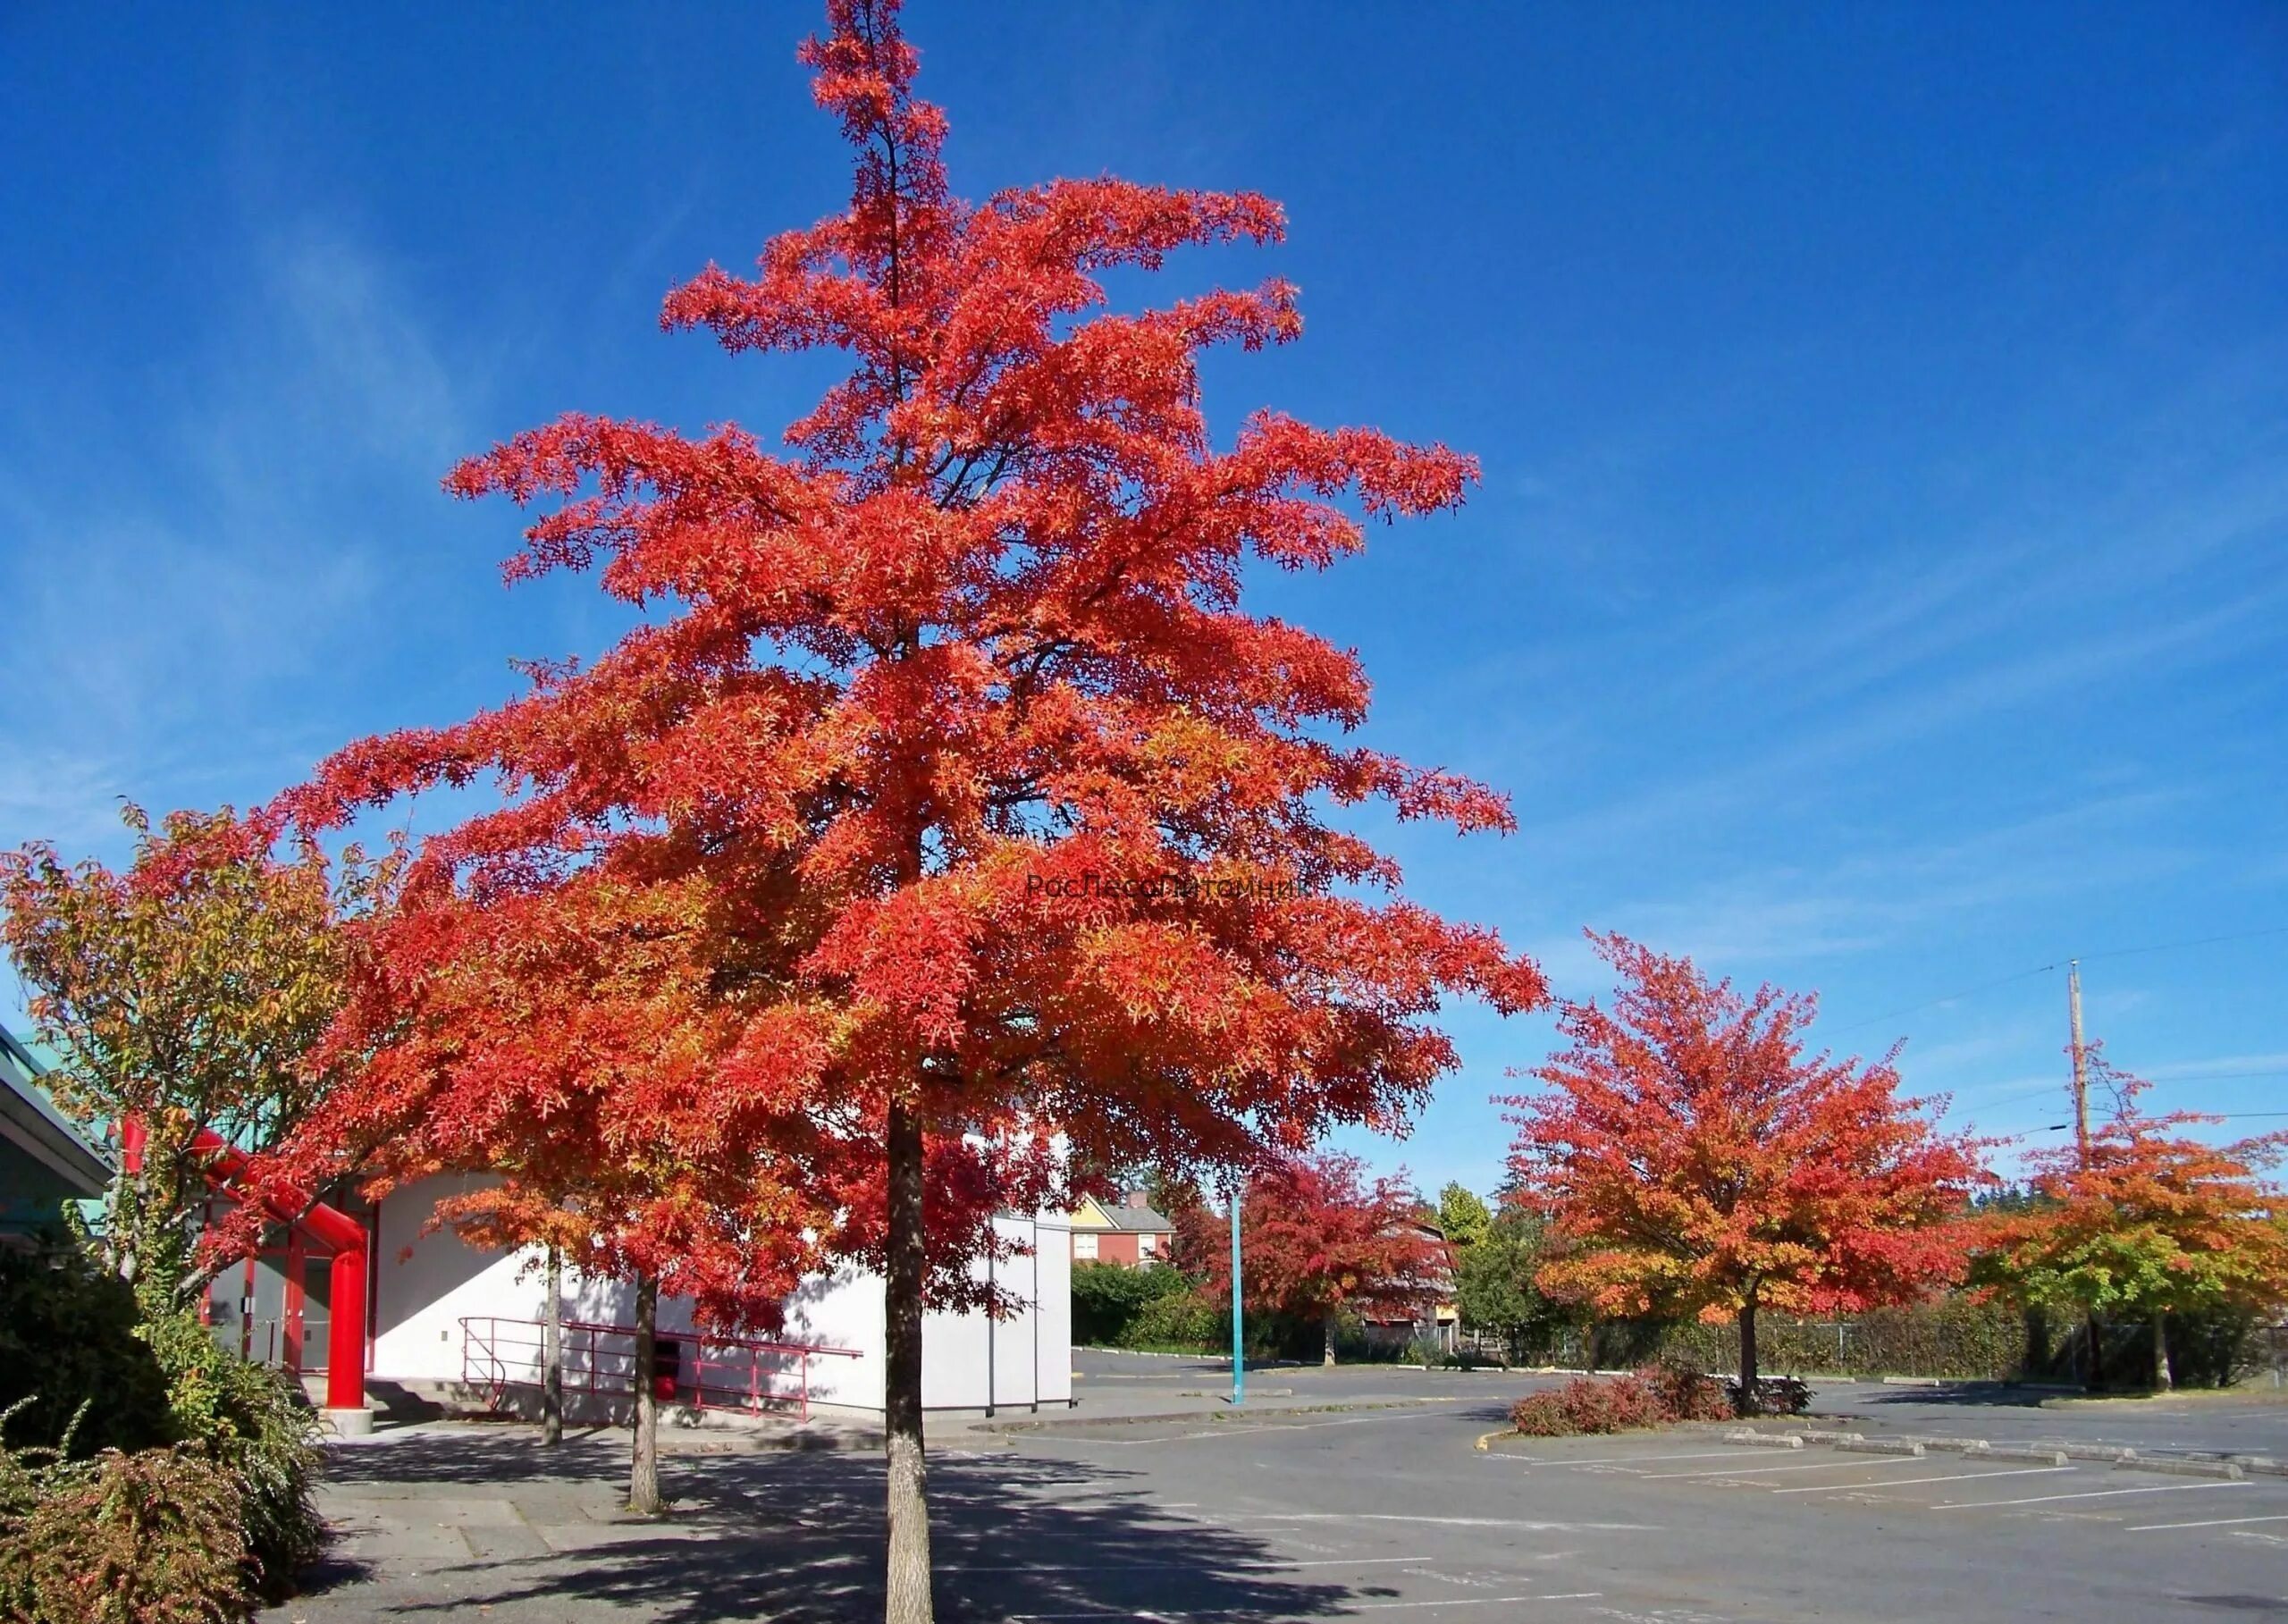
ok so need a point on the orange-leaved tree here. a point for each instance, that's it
(1317, 1237)
(571, 1041)
(1699, 1162)
(185, 994)
(2147, 1221)
(988, 811)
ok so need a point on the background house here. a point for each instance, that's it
(1426, 1311)
(1126, 1231)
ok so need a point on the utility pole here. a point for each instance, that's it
(1239, 1337)
(2080, 1128)
(2080, 1063)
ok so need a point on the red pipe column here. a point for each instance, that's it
(345, 1335)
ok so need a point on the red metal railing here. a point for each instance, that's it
(703, 1371)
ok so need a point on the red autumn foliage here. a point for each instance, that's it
(1657, 1397)
(1316, 1237)
(946, 797)
(1699, 1161)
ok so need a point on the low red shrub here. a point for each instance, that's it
(1587, 1405)
(1686, 1395)
(1657, 1397)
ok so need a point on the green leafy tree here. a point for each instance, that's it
(184, 993)
(1494, 1284)
(1462, 1216)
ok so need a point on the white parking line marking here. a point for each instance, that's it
(1450, 1522)
(2213, 1522)
(1272, 1562)
(1845, 1488)
(1705, 1454)
(2164, 1488)
(1474, 1601)
(1758, 1471)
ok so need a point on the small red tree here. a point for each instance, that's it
(1316, 1238)
(2149, 1222)
(1702, 1163)
(982, 809)
(558, 1040)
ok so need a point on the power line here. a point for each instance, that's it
(2198, 941)
(1949, 998)
(2023, 975)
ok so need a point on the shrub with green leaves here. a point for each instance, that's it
(1180, 1321)
(151, 1537)
(68, 1340)
(79, 1376)
(1108, 1297)
(257, 1425)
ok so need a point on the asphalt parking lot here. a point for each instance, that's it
(1290, 1510)
(1396, 1509)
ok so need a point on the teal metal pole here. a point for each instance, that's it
(1239, 1332)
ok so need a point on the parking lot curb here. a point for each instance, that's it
(1959, 1446)
(2018, 1451)
(1879, 1446)
(1820, 1434)
(1486, 1439)
(2178, 1467)
(1767, 1440)
(2091, 1451)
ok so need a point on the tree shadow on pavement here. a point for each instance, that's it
(792, 1536)
(1967, 1396)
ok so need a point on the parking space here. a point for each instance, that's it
(1682, 1527)
(1939, 1483)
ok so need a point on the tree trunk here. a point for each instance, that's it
(551, 1354)
(1589, 1348)
(2090, 1333)
(907, 1590)
(2161, 1383)
(643, 1476)
(1327, 1329)
(1748, 1405)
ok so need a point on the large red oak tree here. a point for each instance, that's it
(1697, 1160)
(978, 807)
(1317, 1237)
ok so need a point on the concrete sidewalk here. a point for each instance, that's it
(474, 1521)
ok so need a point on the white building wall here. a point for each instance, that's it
(432, 1292)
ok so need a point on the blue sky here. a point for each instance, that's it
(1877, 583)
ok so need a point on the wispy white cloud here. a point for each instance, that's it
(175, 555)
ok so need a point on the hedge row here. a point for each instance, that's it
(1953, 1338)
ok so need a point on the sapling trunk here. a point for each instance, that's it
(551, 1354)
(1326, 1328)
(907, 1589)
(1748, 1405)
(2161, 1382)
(643, 1475)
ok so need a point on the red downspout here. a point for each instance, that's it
(345, 1338)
